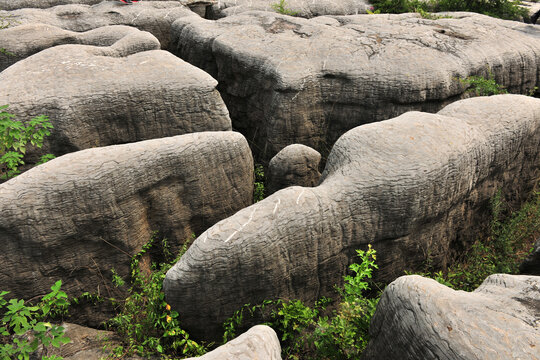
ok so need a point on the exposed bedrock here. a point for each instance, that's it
(302, 8)
(289, 80)
(412, 186)
(259, 342)
(155, 17)
(295, 164)
(42, 4)
(99, 96)
(77, 216)
(21, 41)
(418, 318)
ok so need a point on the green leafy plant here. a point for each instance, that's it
(15, 138)
(306, 332)
(25, 327)
(146, 323)
(281, 7)
(481, 86)
(258, 190)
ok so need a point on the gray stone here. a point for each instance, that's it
(155, 17)
(301, 8)
(531, 265)
(418, 318)
(79, 215)
(294, 165)
(259, 342)
(25, 40)
(290, 80)
(99, 96)
(43, 4)
(415, 185)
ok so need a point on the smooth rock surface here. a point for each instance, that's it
(259, 342)
(301, 8)
(25, 40)
(99, 96)
(77, 216)
(155, 17)
(411, 186)
(43, 4)
(418, 318)
(289, 80)
(294, 165)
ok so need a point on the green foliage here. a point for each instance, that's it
(281, 8)
(146, 323)
(509, 242)
(258, 190)
(481, 86)
(25, 328)
(307, 333)
(14, 140)
(505, 9)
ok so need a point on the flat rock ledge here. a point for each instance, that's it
(91, 102)
(418, 318)
(79, 215)
(290, 80)
(415, 185)
(259, 342)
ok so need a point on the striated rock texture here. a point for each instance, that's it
(289, 80)
(294, 165)
(301, 8)
(77, 216)
(155, 17)
(25, 40)
(418, 318)
(99, 96)
(259, 342)
(43, 4)
(415, 185)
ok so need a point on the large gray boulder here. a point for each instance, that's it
(290, 80)
(295, 164)
(155, 17)
(43, 4)
(22, 41)
(411, 186)
(418, 318)
(99, 96)
(77, 216)
(301, 8)
(259, 342)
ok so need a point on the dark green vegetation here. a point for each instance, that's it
(258, 189)
(504, 9)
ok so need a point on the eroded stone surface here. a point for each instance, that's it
(418, 318)
(411, 186)
(77, 216)
(290, 80)
(294, 165)
(155, 17)
(259, 342)
(99, 96)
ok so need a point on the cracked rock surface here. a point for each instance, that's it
(99, 96)
(290, 80)
(418, 318)
(410, 186)
(75, 217)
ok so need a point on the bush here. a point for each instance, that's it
(258, 190)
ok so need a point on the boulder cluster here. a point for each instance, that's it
(366, 130)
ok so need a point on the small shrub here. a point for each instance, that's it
(481, 86)
(14, 139)
(258, 190)
(281, 8)
(24, 326)
(146, 323)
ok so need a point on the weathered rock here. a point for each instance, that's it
(155, 17)
(259, 342)
(19, 42)
(418, 318)
(99, 96)
(289, 80)
(415, 185)
(294, 165)
(43, 4)
(531, 265)
(77, 216)
(302, 8)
